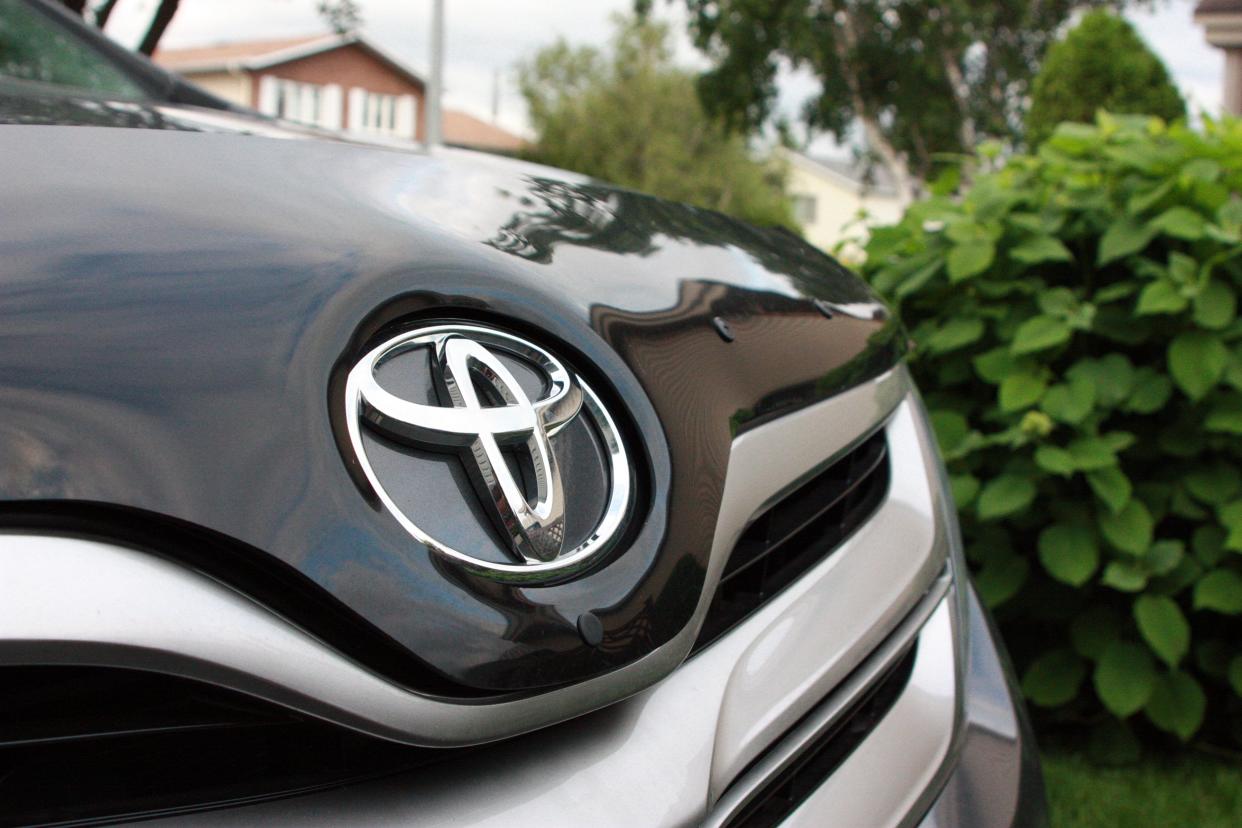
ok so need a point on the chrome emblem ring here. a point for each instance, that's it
(483, 413)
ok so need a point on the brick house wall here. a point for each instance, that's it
(356, 72)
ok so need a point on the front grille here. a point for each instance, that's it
(796, 533)
(91, 744)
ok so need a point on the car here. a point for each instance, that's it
(377, 484)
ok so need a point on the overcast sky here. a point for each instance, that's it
(485, 38)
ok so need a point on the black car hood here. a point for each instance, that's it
(179, 303)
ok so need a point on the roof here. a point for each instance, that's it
(1218, 7)
(222, 54)
(874, 180)
(465, 130)
(252, 55)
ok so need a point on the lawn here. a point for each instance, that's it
(1188, 790)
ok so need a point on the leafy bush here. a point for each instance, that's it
(1077, 338)
(1101, 64)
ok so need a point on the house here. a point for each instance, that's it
(835, 200)
(1222, 22)
(331, 81)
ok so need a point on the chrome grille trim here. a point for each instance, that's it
(75, 601)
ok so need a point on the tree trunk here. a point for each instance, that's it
(163, 16)
(893, 161)
(961, 96)
(75, 6)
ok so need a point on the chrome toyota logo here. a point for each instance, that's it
(480, 410)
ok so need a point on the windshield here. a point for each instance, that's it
(35, 49)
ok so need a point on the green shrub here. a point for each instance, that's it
(1074, 314)
(1101, 64)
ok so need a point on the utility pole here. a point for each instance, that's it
(435, 134)
(495, 95)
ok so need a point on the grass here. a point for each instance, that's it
(1186, 790)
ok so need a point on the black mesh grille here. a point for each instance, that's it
(796, 533)
(88, 744)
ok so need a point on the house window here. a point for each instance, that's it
(381, 113)
(804, 209)
(298, 102)
(305, 103)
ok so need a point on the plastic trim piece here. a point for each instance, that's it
(822, 718)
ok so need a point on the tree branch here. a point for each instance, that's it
(163, 16)
(103, 13)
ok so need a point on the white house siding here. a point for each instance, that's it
(838, 200)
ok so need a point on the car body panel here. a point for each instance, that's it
(178, 314)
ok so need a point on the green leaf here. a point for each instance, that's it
(1196, 361)
(1122, 238)
(1146, 199)
(1124, 577)
(1235, 674)
(1039, 333)
(918, 278)
(954, 334)
(950, 428)
(1179, 222)
(1021, 390)
(1069, 402)
(1215, 306)
(994, 365)
(1000, 579)
(1208, 543)
(1056, 460)
(1069, 553)
(1053, 679)
(1214, 484)
(1231, 517)
(1177, 704)
(964, 488)
(1124, 678)
(1005, 495)
(1041, 249)
(1151, 392)
(1165, 556)
(1161, 297)
(1219, 590)
(970, 258)
(1113, 377)
(1111, 486)
(1092, 453)
(1225, 415)
(1163, 626)
(1058, 301)
(1130, 529)
(1184, 271)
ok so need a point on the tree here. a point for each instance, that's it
(344, 16)
(1101, 64)
(630, 116)
(921, 77)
